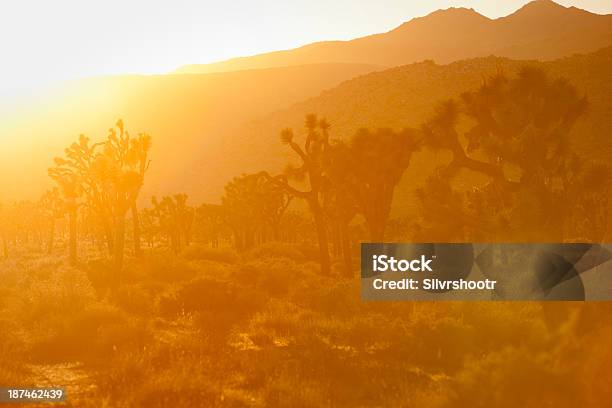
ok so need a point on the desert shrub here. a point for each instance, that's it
(129, 334)
(99, 272)
(5, 294)
(278, 319)
(214, 300)
(124, 374)
(289, 391)
(66, 292)
(276, 250)
(13, 370)
(169, 393)
(310, 251)
(448, 356)
(247, 274)
(276, 281)
(220, 307)
(181, 386)
(518, 378)
(88, 334)
(505, 324)
(168, 305)
(206, 294)
(595, 374)
(163, 266)
(135, 299)
(12, 350)
(201, 252)
(330, 296)
(171, 374)
(274, 276)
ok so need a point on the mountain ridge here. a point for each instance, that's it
(541, 29)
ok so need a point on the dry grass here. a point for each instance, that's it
(268, 330)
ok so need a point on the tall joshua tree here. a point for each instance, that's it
(314, 158)
(76, 168)
(273, 203)
(252, 206)
(519, 140)
(109, 175)
(119, 171)
(374, 163)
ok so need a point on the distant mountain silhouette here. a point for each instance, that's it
(541, 30)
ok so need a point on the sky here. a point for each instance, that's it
(47, 41)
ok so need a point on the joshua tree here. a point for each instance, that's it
(519, 141)
(339, 203)
(72, 176)
(174, 218)
(369, 168)
(314, 157)
(253, 205)
(109, 175)
(209, 222)
(119, 172)
(148, 225)
(77, 165)
(273, 204)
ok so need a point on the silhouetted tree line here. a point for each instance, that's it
(512, 175)
(535, 186)
(105, 179)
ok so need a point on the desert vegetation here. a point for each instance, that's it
(254, 300)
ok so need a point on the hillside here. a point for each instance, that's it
(206, 129)
(541, 30)
(405, 96)
(185, 114)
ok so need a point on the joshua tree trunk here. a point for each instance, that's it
(275, 232)
(118, 250)
(175, 241)
(51, 237)
(136, 227)
(187, 237)
(249, 238)
(346, 249)
(321, 237)
(4, 246)
(376, 220)
(108, 235)
(376, 212)
(377, 232)
(73, 232)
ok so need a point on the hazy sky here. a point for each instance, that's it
(47, 40)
